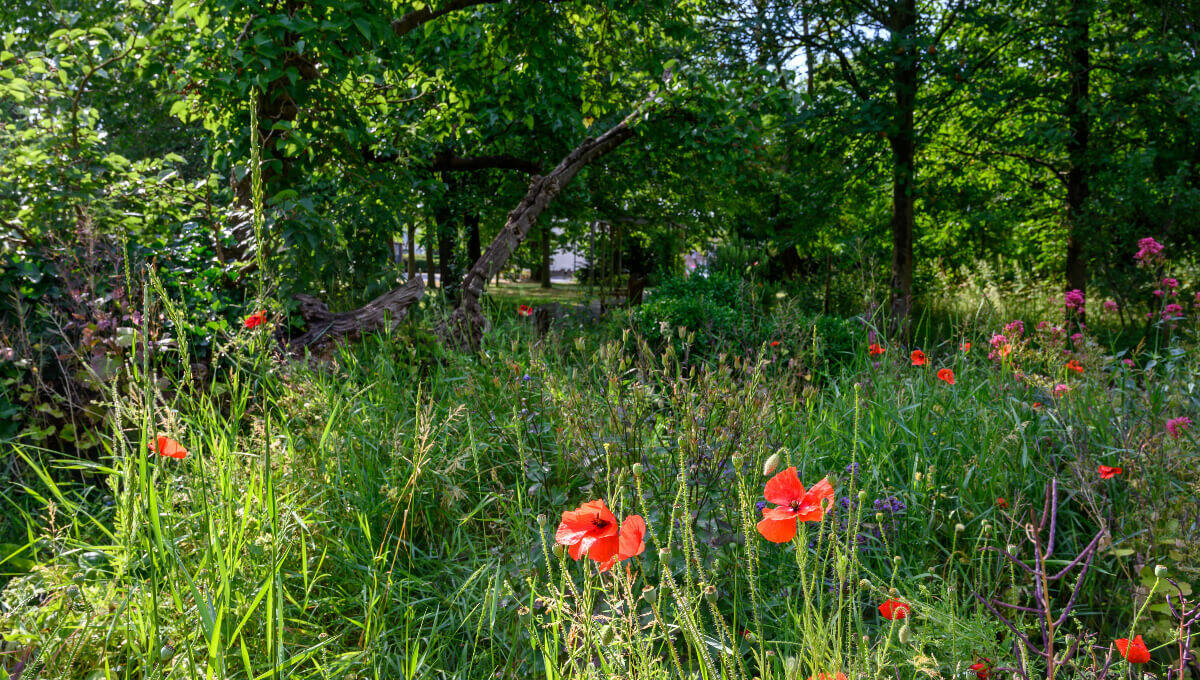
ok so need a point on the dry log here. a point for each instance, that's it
(383, 312)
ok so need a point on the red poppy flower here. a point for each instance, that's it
(169, 448)
(1134, 650)
(525, 310)
(875, 349)
(918, 357)
(631, 541)
(946, 376)
(966, 347)
(1001, 503)
(255, 320)
(590, 530)
(893, 609)
(982, 668)
(778, 524)
(1107, 472)
(1075, 366)
(1037, 404)
(774, 343)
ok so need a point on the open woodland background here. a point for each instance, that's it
(201, 208)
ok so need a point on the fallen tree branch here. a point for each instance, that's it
(325, 326)
(465, 326)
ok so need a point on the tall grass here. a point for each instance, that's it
(375, 515)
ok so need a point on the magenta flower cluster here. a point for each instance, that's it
(1148, 249)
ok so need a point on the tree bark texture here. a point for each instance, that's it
(383, 312)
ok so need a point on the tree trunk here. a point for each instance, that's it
(1078, 189)
(545, 255)
(473, 246)
(447, 228)
(411, 242)
(466, 325)
(905, 79)
(429, 259)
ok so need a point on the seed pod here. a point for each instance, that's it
(771, 465)
(541, 519)
(648, 594)
(959, 528)
(637, 470)
(1159, 571)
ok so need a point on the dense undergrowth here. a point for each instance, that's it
(391, 511)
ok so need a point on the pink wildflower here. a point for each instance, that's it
(1148, 248)
(1170, 282)
(1176, 426)
(1158, 293)
(1172, 311)
(1127, 362)
(1061, 389)
(1110, 305)
(1016, 327)
(1073, 299)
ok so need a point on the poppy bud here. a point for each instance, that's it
(637, 470)
(166, 653)
(862, 496)
(558, 550)
(771, 465)
(905, 634)
(541, 519)
(1159, 571)
(893, 592)
(864, 583)
(959, 528)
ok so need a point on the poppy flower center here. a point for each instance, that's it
(599, 523)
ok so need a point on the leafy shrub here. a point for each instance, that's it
(719, 309)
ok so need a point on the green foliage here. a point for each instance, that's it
(719, 310)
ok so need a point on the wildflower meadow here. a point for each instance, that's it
(597, 340)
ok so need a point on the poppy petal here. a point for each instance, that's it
(781, 514)
(632, 538)
(602, 549)
(777, 531)
(169, 448)
(784, 488)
